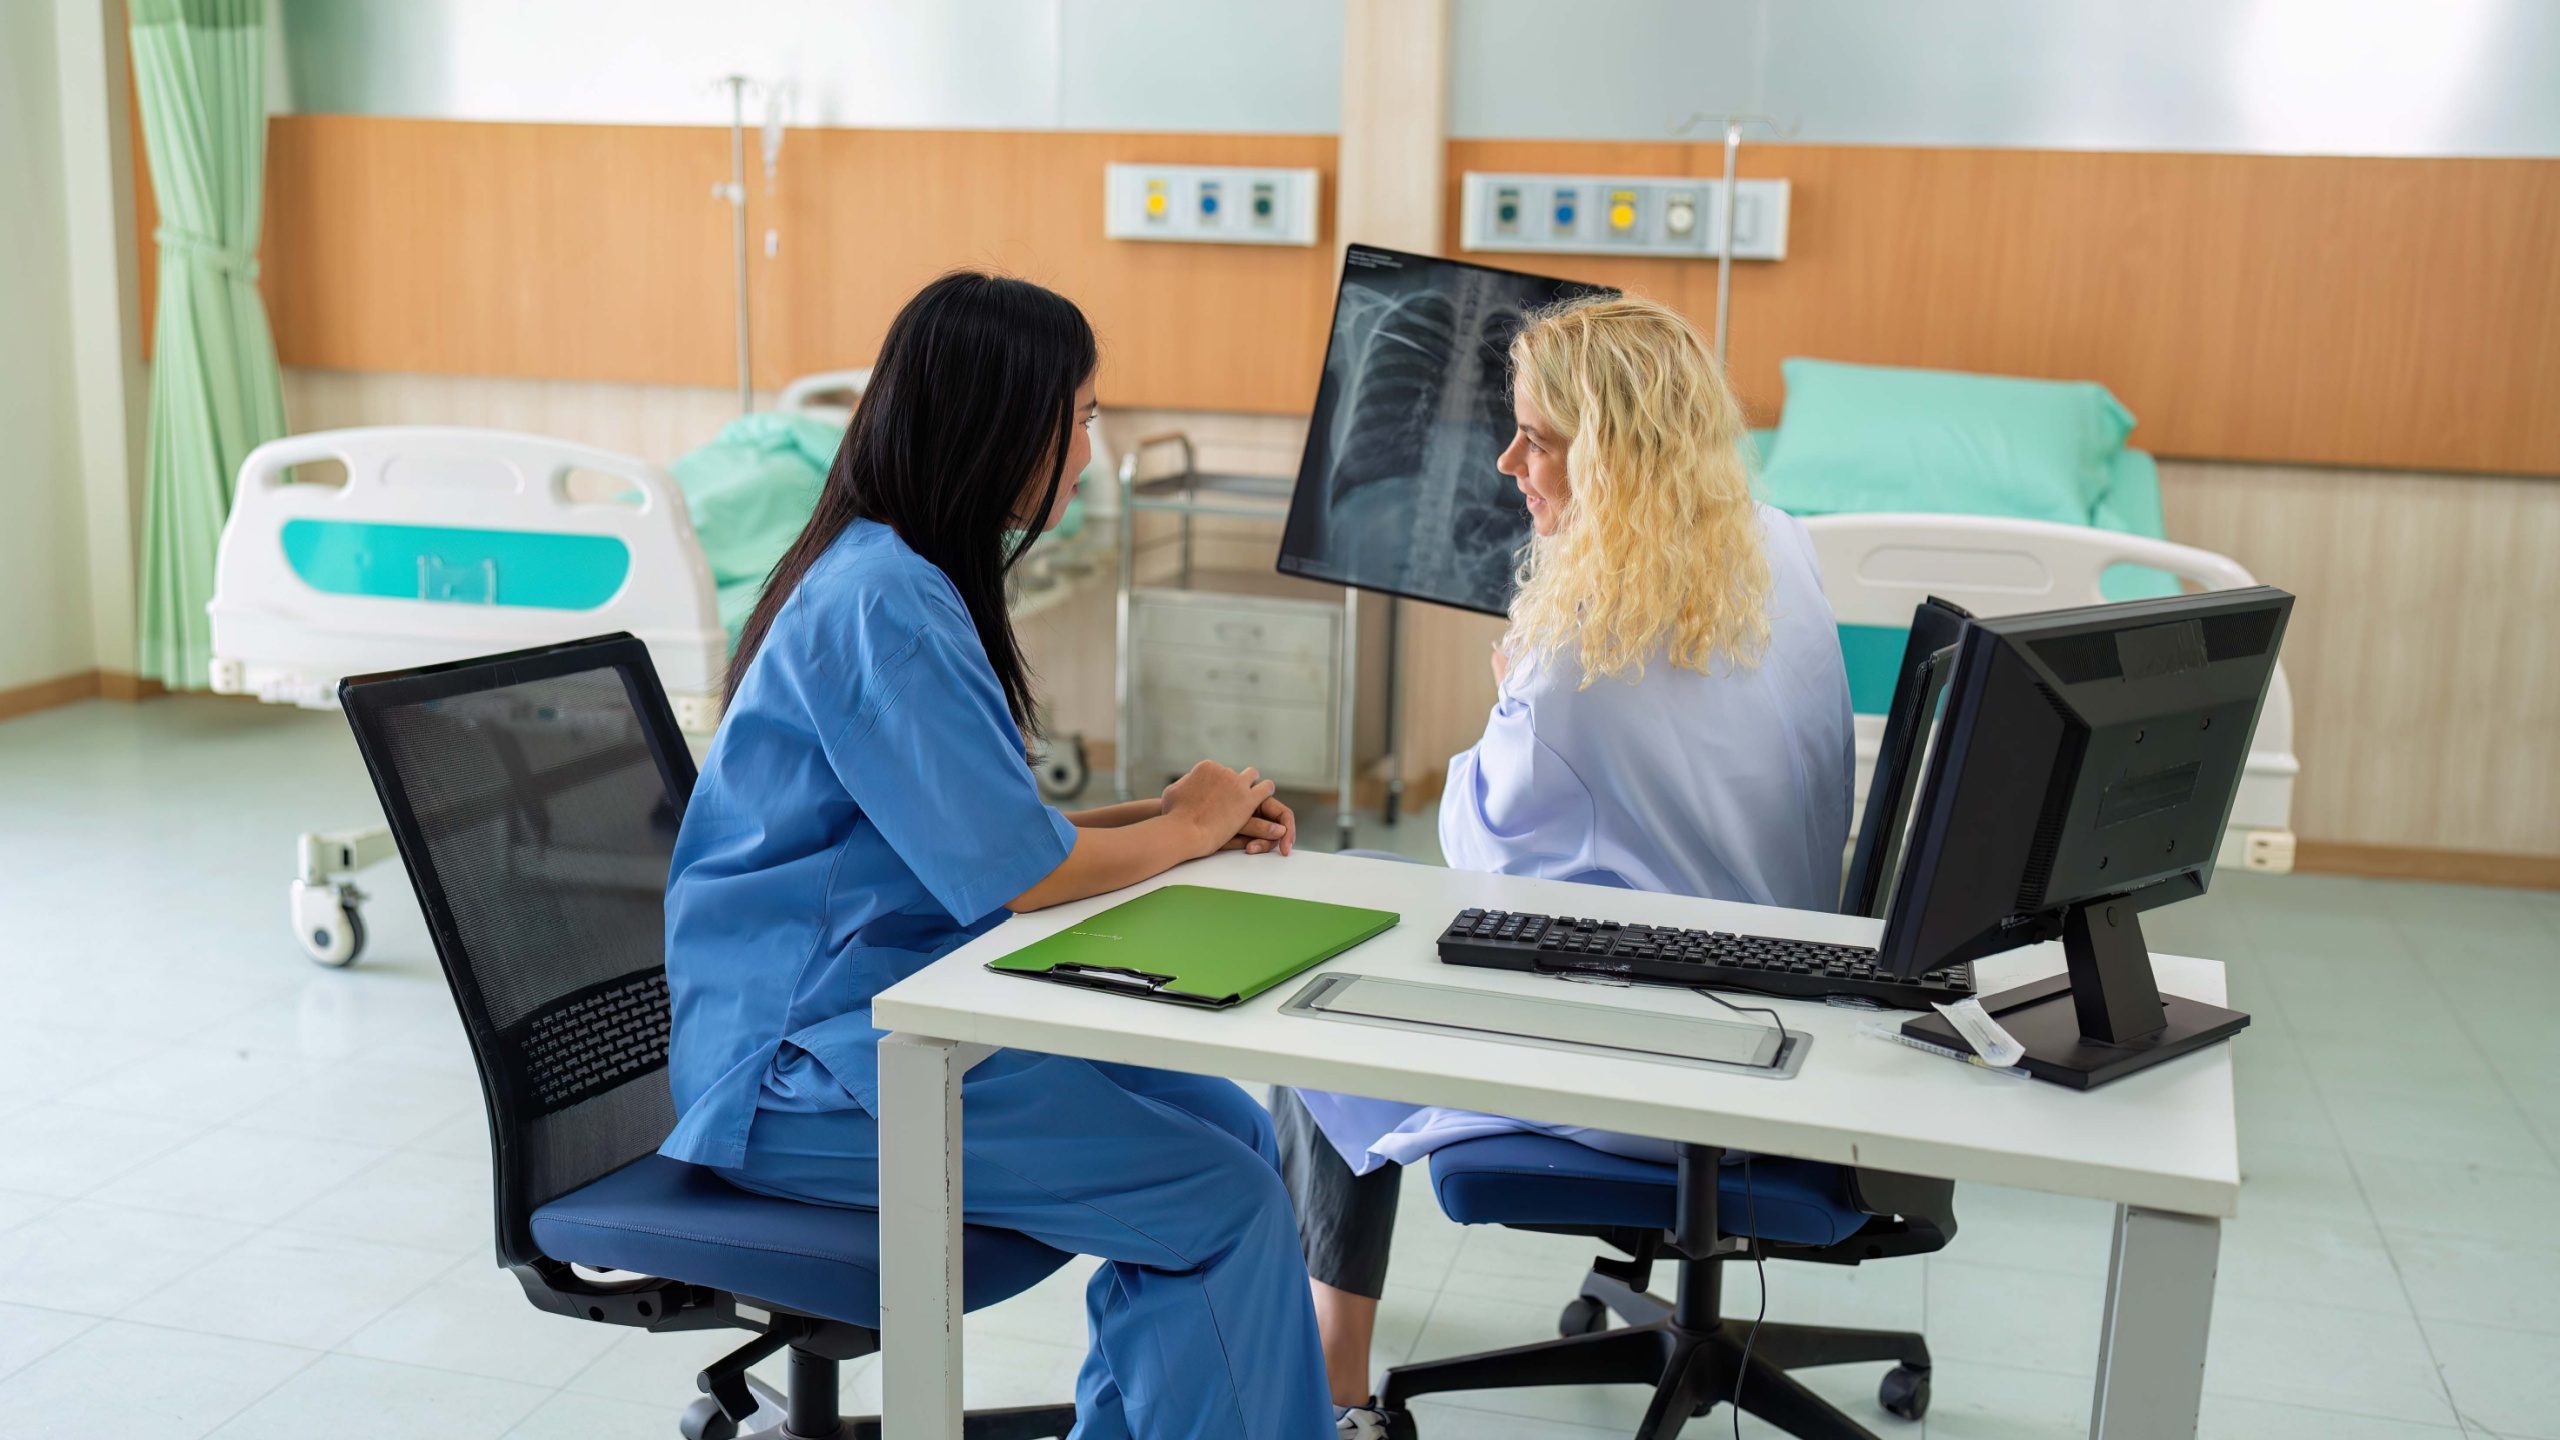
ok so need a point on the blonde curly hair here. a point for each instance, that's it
(1658, 546)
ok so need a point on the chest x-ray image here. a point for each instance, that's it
(1397, 489)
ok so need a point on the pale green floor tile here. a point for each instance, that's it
(1981, 1400)
(2303, 1352)
(2226, 1418)
(2505, 1383)
(2512, 1283)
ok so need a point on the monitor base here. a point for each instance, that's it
(2045, 1018)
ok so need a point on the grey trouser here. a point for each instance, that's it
(1345, 1221)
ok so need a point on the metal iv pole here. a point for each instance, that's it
(735, 192)
(1732, 173)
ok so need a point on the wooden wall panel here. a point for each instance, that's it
(869, 216)
(2400, 314)
(531, 250)
(2370, 312)
(2426, 679)
(598, 252)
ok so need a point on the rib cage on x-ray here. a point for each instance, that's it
(1399, 490)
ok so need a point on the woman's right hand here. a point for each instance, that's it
(1214, 802)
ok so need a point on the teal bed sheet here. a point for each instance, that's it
(2130, 504)
(750, 492)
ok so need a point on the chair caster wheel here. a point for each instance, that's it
(1582, 1316)
(703, 1421)
(1905, 1391)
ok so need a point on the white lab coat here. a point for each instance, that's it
(1732, 785)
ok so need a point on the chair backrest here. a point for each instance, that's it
(535, 799)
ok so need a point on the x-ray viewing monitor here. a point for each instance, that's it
(1397, 490)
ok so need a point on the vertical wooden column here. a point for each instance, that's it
(1395, 104)
(1393, 164)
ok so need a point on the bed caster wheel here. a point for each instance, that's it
(328, 922)
(1905, 1391)
(1062, 771)
(1582, 1316)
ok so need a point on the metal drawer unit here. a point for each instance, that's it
(1247, 679)
(1237, 678)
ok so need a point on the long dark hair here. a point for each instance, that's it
(973, 390)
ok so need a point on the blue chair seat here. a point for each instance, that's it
(1540, 1180)
(662, 1217)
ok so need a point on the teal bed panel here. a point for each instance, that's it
(1874, 657)
(531, 568)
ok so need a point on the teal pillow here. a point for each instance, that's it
(1866, 438)
(751, 490)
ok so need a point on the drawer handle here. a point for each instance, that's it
(1229, 630)
(1231, 677)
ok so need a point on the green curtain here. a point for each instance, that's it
(200, 70)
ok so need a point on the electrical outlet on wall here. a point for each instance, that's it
(1215, 204)
(1622, 214)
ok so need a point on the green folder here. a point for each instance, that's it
(1191, 945)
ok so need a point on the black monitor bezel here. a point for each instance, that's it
(1931, 845)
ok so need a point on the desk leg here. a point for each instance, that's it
(920, 1234)
(2151, 1337)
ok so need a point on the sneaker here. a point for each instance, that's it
(1360, 1422)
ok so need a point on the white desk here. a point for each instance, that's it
(2160, 1145)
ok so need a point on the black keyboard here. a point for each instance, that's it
(1660, 955)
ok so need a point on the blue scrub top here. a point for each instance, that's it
(866, 809)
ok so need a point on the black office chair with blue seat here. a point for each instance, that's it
(535, 799)
(1693, 1357)
(1705, 1213)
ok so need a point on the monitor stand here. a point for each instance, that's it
(2102, 1019)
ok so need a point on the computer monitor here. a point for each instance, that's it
(2081, 771)
(1398, 489)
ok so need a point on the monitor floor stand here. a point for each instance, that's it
(2104, 1017)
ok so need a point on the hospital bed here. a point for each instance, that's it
(445, 544)
(1877, 568)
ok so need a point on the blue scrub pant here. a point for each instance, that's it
(1202, 1326)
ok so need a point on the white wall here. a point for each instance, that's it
(1186, 65)
(44, 601)
(2341, 77)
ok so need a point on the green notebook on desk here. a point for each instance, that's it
(1191, 945)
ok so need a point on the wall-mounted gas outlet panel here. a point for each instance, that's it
(1227, 205)
(1622, 215)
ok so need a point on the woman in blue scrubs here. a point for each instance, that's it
(868, 807)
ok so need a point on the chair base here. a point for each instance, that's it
(703, 1421)
(1692, 1369)
(807, 1412)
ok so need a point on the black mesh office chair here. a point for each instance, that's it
(535, 799)
(1704, 1214)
